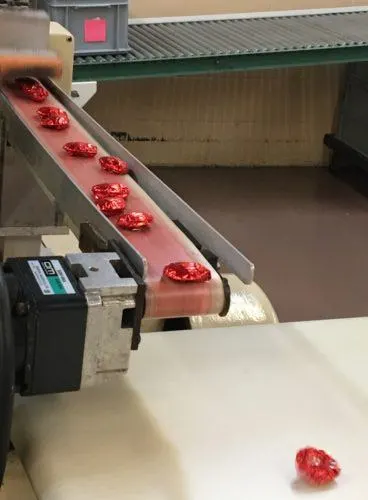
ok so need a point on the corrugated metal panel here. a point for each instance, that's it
(197, 39)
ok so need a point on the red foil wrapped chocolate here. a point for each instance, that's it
(49, 112)
(108, 190)
(57, 122)
(316, 467)
(187, 272)
(32, 89)
(135, 221)
(114, 165)
(80, 149)
(111, 206)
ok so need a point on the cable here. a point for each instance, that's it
(7, 374)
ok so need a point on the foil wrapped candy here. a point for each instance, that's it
(32, 89)
(135, 221)
(109, 190)
(316, 467)
(187, 272)
(114, 165)
(111, 206)
(80, 149)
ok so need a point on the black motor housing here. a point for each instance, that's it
(43, 318)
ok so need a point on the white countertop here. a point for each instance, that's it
(342, 345)
(208, 415)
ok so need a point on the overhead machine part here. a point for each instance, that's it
(24, 44)
(61, 42)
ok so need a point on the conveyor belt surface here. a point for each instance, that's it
(305, 38)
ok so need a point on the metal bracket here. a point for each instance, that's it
(108, 344)
(82, 92)
(90, 240)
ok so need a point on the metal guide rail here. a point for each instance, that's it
(69, 183)
(232, 44)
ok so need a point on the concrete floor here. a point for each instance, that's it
(305, 230)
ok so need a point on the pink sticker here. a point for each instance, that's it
(95, 30)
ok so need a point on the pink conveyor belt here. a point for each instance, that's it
(162, 244)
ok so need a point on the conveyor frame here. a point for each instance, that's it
(80, 209)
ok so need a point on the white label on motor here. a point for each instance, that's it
(51, 277)
(40, 277)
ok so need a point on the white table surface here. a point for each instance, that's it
(341, 344)
(209, 415)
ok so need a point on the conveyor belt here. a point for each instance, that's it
(69, 182)
(170, 48)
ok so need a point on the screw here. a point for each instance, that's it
(21, 309)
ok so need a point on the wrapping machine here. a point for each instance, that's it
(70, 321)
